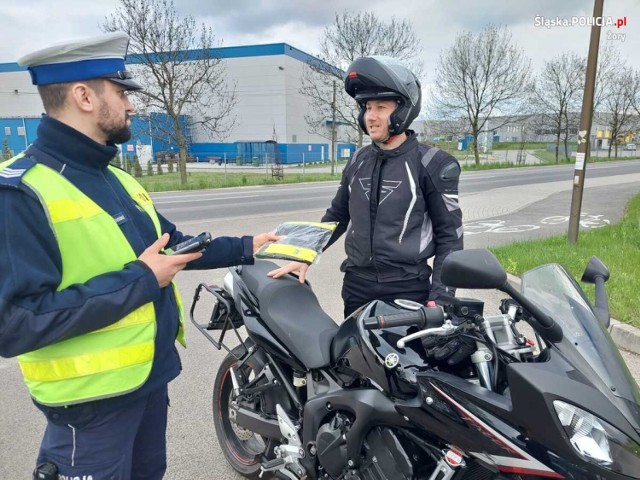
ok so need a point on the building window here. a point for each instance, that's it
(294, 139)
(21, 131)
(7, 130)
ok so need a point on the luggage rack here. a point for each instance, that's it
(224, 317)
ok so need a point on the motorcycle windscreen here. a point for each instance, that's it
(586, 341)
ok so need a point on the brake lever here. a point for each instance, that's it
(446, 329)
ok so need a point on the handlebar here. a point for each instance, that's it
(425, 317)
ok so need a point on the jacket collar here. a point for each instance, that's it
(72, 147)
(410, 143)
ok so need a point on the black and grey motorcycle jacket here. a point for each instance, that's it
(399, 208)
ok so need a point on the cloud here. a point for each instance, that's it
(257, 16)
(33, 24)
(28, 25)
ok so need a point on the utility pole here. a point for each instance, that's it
(584, 134)
(333, 130)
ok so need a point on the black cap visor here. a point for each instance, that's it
(125, 79)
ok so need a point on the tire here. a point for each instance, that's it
(244, 450)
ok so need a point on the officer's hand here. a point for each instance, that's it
(294, 267)
(165, 267)
(263, 238)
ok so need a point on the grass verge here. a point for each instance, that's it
(549, 158)
(618, 246)
(203, 180)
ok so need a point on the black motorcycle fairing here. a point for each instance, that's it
(586, 345)
(307, 331)
(483, 430)
(362, 352)
(534, 387)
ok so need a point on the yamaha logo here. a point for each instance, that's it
(391, 360)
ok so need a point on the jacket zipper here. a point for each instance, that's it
(374, 196)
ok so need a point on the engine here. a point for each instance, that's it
(331, 444)
(383, 455)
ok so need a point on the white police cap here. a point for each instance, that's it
(96, 57)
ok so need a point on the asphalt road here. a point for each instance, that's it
(202, 205)
(193, 449)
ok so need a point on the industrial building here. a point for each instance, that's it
(270, 123)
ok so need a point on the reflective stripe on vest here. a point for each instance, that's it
(116, 359)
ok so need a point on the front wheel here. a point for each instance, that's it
(243, 449)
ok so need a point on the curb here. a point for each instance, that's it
(625, 336)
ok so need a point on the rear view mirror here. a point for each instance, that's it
(595, 268)
(598, 273)
(475, 268)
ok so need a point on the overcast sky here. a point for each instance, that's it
(28, 25)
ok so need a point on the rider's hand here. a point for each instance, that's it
(259, 240)
(453, 350)
(294, 267)
(165, 267)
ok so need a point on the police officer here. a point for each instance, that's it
(398, 199)
(87, 300)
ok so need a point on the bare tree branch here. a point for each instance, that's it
(179, 70)
(619, 101)
(482, 75)
(556, 94)
(351, 36)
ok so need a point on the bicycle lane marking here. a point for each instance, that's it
(501, 226)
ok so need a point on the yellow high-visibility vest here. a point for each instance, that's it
(116, 359)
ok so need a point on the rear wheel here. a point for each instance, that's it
(243, 449)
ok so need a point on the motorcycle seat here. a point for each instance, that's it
(292, 312)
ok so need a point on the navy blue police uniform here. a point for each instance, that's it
(116, 438)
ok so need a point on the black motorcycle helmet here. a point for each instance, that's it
(383, 78)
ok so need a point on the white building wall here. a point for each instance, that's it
(18, 97)
(267, 92)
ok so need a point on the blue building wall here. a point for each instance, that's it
(18, 143)
(144, 128)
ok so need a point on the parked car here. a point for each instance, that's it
(630, 146)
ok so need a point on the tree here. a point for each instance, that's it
(176, 62)
(482, 74)
(609, 59)
(7, 153)
(116, 161)
(159, 170)
(351, 36)
(556, 94)
(150, 169)
(137, 168)
(619, 103)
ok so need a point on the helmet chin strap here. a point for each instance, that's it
(388, 140)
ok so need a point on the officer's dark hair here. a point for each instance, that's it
(54, 95)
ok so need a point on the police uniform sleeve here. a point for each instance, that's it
(221, 252)
(441, 197)
(33, 313)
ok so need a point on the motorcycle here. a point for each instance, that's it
(300, 397)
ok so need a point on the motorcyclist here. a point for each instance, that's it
(398, 199)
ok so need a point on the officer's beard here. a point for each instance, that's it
(115, 131)
(118, 136)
